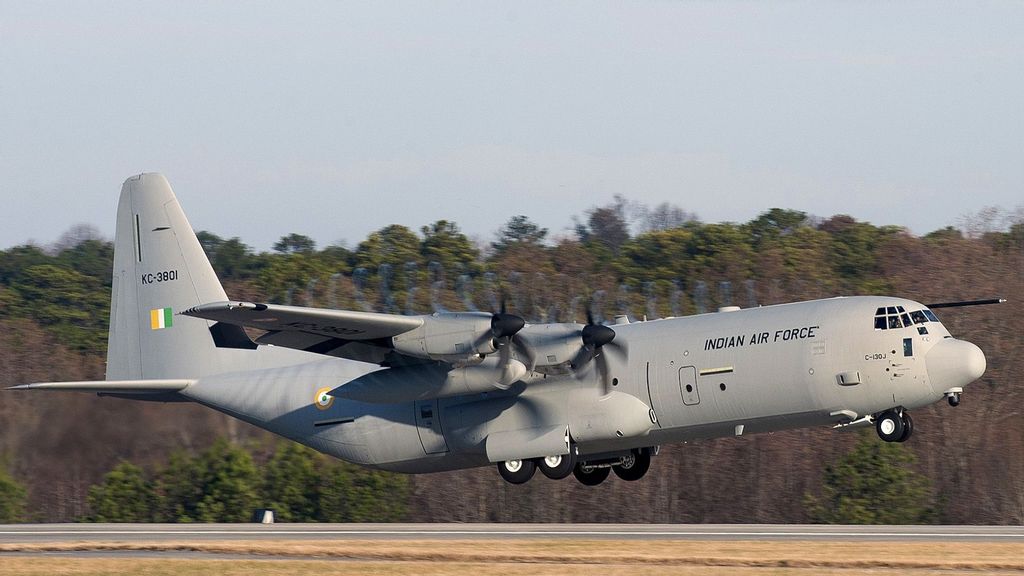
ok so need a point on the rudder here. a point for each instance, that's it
(159, 269)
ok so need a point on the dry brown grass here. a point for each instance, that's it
(485, 557)
(202, 567)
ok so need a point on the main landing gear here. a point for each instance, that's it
(630, 466)
(894, 425)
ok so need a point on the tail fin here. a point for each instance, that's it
(159, 269)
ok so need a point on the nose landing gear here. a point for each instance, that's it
(894, 425)
(953, 396)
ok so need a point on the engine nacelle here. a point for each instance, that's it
(448, 336)
(553, 345)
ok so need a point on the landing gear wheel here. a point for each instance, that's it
(634, 466)
(890, 426)
(953, 399)
(908, 427)
(557, 467)
(590, 475)
(517, 471)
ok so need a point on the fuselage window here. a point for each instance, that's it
(880, 323)
(908, 346)
(906, 319)
(890, 310)
(919, 317)
(930, 315)
(894, 323)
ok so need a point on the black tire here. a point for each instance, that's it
(634, 467)
(557, 467)
(908, 427)
(889, 426)
(517, 471)
(590, 476)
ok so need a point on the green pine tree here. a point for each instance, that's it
(125, 495)
(873, 484)
(349, 493)
(12, 498)
(229, 484)
(290, 482)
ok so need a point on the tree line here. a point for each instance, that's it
(873, 483)
(224, 483)
(655, 262)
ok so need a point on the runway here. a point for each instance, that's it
(311, 533)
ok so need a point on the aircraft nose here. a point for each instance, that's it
(954, 364)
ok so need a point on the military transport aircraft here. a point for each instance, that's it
(457, 390)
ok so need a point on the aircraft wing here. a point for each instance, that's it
(363, 336)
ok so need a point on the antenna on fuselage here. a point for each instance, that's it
(966, 303)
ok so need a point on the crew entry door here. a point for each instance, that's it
(688, 385)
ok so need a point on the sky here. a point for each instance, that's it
(334, 119)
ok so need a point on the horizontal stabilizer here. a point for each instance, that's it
(112, 386)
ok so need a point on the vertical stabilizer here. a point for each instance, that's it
(160, 269)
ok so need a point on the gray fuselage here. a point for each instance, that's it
(823, 362)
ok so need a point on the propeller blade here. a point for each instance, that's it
(585, 355)
(525, 351)
(602, 372)
(620, 348)
(594, 338)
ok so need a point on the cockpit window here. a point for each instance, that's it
(896, 317)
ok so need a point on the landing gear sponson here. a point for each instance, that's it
(628, 466)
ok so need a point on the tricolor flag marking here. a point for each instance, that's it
(161, 318)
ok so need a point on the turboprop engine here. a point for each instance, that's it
(458, 336)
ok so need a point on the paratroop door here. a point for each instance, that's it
(428, 424)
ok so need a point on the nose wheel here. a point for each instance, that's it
(894, 425)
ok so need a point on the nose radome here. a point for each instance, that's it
(954, 364)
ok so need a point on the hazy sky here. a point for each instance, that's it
(335, 119)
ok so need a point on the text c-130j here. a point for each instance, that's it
(462, 389)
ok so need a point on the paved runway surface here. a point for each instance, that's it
(141, 533)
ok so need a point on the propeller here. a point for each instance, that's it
(595, 337)
(504, 332)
